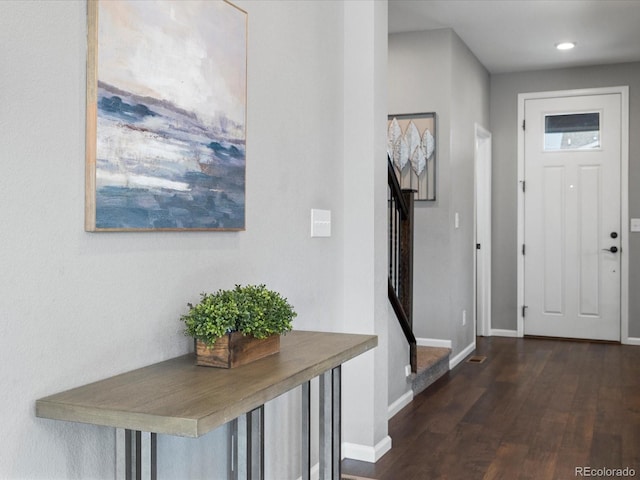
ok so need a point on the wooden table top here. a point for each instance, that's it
(179, 398)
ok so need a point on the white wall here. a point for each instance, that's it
(435, 72)
(77, 307)
(504, 97)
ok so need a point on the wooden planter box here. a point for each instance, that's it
(235, 349)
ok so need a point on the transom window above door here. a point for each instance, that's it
(573, 131)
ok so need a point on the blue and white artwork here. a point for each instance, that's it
(170, 116)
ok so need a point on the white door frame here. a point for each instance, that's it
(624, 197)
(482, 186)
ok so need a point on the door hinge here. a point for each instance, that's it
(477, 246)
(523, 186)
(524, 122)
(523, 249)
(524, 310)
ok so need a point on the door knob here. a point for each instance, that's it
(613, 249)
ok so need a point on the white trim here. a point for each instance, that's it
(462, 355)
(484, 219)
(399, 404)
(433, 342)
(314, 473)
(623, 91)
(624, 216)
(631, 341)
(365, 453)
(520, 219)
(498, 332)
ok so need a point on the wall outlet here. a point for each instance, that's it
(407, 370)
(464, 317)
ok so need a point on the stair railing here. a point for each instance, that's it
(400, 216)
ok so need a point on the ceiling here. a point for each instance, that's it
(520, 35)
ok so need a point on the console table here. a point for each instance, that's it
(176, 397)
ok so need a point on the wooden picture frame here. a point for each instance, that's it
(412, 148)
(166, 116)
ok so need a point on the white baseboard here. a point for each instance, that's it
(631, 341)
(433, 342)
(497, 332)
(315, 472)
(400, 403)
(365, 453)
(462, 355)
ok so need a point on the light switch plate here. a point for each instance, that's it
(635, 224)
(320, 223)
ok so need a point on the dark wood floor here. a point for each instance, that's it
(535, 409)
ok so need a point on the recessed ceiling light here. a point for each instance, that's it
(565, 45)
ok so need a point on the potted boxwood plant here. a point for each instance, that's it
(234, 327)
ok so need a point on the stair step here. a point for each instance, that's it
(433, 363)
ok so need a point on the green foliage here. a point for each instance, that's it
(252, 310)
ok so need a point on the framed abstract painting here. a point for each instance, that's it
(166, 115)
(411, 146)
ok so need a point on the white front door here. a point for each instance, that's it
(572, 155)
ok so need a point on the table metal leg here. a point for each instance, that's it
(330, 424)
(232, 449)
(138, 452)
(337, 423)
(129, 457)
(255, 444)
(306, 431)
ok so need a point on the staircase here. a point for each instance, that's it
(400, 291)
(433, 363)
(428, 364)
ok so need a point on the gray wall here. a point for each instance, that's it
(435, 72)
(77, 307)
(419, 81)
(504, 92)
(365, 225)
(469, 106)
(398, 359)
